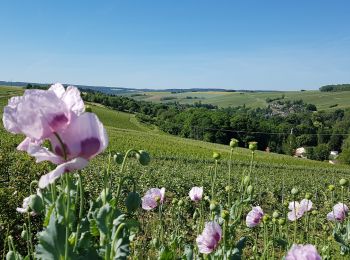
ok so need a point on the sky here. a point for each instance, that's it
(247, 44)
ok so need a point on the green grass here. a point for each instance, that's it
(322, 100)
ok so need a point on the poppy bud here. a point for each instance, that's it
(213, 205)
(228, 188)
(308, 196)
(294, 191)
(281, 221)
(216, 155)
(36, 203)
(253, 146)
(88, 109)
(343, 182)
(331, 187)
(132, 201)
(24, 234)
(250, 190)
(275, 214)
(246, 180)
(118, 158)
(266, 218)
(143, 157)
(225, 215)
(11, 255)
(233, 143)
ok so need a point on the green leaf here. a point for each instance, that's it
(121, 238)
(52, 242)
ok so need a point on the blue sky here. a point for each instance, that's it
(247, 44)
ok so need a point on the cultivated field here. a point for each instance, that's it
(179, 164)
(322, 100)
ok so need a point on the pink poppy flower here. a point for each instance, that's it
(39, 113)
(152, 198)
(83, 139)
(297, 209)
(303, 252)
(339, 213)
(196, 193)
(209, 240)
(254, 217)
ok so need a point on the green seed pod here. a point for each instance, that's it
(253, 146)
(294, 191)
(225, 215)
(36, 203)
(308, 196)
(180, 203)
(118, 158)
(213, 205)
(216, 155)
(11, 255)
(275, 214)
(250, 190)
(233, 143)
(132, 201)
(343, 182)
(88, 109)
(331, 187)
(266, 218)
(246, 180)
(281, 221)
(143, 157)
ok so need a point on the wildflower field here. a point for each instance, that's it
(129, 191)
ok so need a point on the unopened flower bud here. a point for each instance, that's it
(225, 215)
(228, 188)
(294, 191)
(88, 109)
(143, 157)
(246, 180)
(132, 201)
(331, 187)
(308, 196)
(36, 203)
(275, 214)
(253, 146)
(24, 234)
(118, 158)
(266, 218)
(250, 190)
(216, 155)
(213, 205)
(11, 255)
(233, 143)
(343, 182)
(281, 221)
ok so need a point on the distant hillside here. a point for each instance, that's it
(335, 88)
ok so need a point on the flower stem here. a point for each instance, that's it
(67, 217)
(81, 197)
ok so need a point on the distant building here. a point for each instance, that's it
(300, 152)
(333, 155)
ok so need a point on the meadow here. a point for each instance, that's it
(322, 100)
(178, 164)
